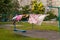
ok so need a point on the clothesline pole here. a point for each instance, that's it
(32, 26)
(14, 27)
(14, 23)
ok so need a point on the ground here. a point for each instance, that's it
(49, 35)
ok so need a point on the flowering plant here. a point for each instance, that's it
(37, 8)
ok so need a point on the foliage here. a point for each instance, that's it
(7, 7)
(16, 6)
(37, 8)
(25, 9)
(51, 15)
(11, 7)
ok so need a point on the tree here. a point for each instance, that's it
(16, 7)
(7, 7)
(25, 9)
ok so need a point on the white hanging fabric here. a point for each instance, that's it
(40, 19)
(36, 19)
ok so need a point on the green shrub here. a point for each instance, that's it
(51, 15)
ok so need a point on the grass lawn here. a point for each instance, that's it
(43, 27)
(27, 26)
(6, 34)
(9, 35)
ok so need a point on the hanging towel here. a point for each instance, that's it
(14, 17)
(17, 17)
(33, 18)
(36, 19)
(40, 19)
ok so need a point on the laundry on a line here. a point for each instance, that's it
(33, 18)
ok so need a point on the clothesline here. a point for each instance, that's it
(33, 18)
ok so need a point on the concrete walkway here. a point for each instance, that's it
(50, 35)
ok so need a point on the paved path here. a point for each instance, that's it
(50, 35)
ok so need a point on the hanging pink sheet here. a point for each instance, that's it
(36, 19)
(33, 18)
(19, 17)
